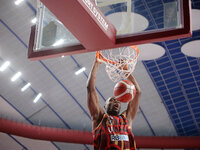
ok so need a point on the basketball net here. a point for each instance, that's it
(120, 62)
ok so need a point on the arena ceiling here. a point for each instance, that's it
(170, 84)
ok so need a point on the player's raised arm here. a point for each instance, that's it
(93, 102)
(133, 105)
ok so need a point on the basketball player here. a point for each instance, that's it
(111, 130)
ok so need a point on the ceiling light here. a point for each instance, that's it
(25, 87)
(80, 70)
(16, 76)
(59, 42)
(62, 56)
(37, 97)
(34, 20)
(17, 2)
(4, 66)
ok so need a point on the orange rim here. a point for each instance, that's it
(101, 56)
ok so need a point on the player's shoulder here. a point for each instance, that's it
(97, 123)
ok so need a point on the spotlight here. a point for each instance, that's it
(25, 87)
(37, 97)
(4, 66)
(17, 2)
(16, 76)
(80, 70)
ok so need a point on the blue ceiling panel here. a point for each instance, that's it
(186, 118)
(180, 104)
(196, 4)
(196, 111)
(192, 90)
(175, 89)
(166, 70)
(155, 74)
(193, 95)
(149, 64)
(174, 51)
(173, 45)
(196, 73)
(184, 70)
(158, 79)
(186, 75)
(195, 68)
(177, 122)
(154, 3)
(171, 107)
(168, 102)
(164, 59)
(173, 85)
(153, 69)
(164, 65)
(160, 83)
(195, 105)
(170, 80)
(174, 116)
(197, 115)
(172, 111)
(182, 65)
(189, 126)
(162, 88)
(164, 92)
(189, 80)
(184, 113)
(189, 85)
(177, 55)
(179, 60)
(176, 76)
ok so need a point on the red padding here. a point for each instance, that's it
(167, 142)
(83, 137)
(45, 133)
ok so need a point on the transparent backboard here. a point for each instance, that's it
(134, 16)
(51, 32)
(129, 17)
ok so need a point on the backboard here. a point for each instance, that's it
(87, 25)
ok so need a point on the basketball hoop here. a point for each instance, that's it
(120, 62)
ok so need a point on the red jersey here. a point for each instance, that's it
(113, 133)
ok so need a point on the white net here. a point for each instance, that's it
(120, 62)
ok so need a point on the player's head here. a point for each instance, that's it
(112, 106)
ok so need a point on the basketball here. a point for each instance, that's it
(124, 91)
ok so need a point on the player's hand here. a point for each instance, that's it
(99, 59)
(123, 65)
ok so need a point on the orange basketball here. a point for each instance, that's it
(124, 91)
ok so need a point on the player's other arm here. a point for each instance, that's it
(92, 98)
(133, 105)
